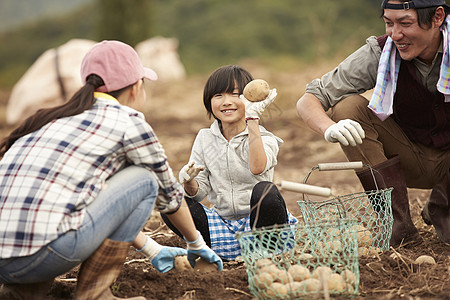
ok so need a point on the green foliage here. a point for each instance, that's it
(216, 32)
(211, 32)
(124, 20)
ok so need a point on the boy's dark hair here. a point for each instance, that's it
(223, 80)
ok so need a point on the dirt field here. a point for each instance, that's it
(176, 112)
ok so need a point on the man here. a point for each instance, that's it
(404, 132)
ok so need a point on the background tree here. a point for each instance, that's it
(126, 20)
(279, 34)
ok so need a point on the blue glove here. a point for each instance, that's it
(161, 257)
(198, 248)
(164, 260)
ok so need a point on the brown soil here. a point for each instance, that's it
(176, 113)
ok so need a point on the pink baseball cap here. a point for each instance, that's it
(117, 63)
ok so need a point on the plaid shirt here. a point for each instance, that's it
(48, 177)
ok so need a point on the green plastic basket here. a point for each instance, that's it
(301, 261)
(371, 209)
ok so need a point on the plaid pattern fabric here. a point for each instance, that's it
(48, 177)
(223, 233)
(383, 93)
(100, 270)
(443, 84)
(388, 68)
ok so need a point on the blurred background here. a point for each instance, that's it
(286, 42)
(281, 35)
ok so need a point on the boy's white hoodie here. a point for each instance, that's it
(227, 180)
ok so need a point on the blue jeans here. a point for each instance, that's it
(119, 212)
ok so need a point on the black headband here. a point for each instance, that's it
(413, 4)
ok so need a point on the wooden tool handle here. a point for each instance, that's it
(305, 188)
(340, 166)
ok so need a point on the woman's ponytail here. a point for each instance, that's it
(81, 101)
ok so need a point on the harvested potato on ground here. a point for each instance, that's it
(264, 263)
(321, 249)
(283, 277)
(364, 235)
(322, 272)
(329, 248)
(425, 259)
(368, 251)
(299, 273)
(334, 246)
(309, 285)
(349, 288)
(204, 266)
(363, 251)
(348, 276)
(374, 251)
(182, 264)
(333, 232)
(268, 268)
(256, 90)
(277, 289)
(264, 280)
(295, 288)
(336, 283)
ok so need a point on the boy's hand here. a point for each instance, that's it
(189, 172)
(254, 109)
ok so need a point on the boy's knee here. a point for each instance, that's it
(263, 188)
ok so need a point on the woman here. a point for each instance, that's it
(79, 181)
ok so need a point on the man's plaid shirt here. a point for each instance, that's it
(48, 177)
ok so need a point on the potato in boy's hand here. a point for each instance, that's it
(256, 90)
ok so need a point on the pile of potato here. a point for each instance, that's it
(310, 273)
(297, 280)
(364, 240)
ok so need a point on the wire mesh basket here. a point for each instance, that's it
(284, 262)
(371, 209)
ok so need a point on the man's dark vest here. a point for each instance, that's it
(423, 116)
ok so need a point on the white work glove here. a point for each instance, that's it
(198, 248)
(254, 109)
(161, 257)
(345, 132)
(189, 172)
